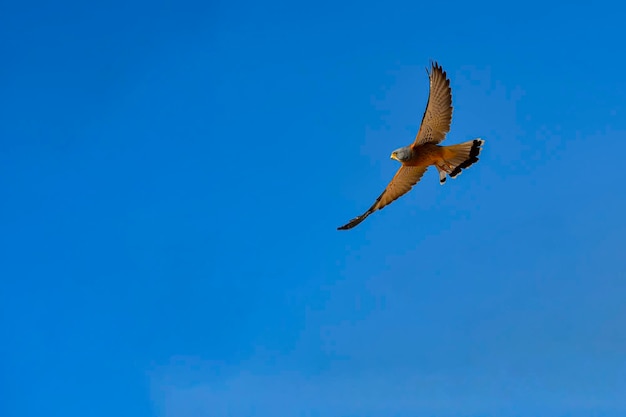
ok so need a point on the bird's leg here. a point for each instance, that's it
(444, 165)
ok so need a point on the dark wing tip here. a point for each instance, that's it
(352, 223)
(436, 67)
(358, 219)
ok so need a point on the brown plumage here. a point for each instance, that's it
(416, 158)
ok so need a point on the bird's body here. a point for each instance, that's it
(425, 155)
(425, 151)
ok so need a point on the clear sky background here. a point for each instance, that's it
(172, 175)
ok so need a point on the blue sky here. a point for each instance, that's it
(172, 176)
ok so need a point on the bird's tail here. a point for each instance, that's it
(459, 157)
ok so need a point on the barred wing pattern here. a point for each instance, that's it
(438, 115)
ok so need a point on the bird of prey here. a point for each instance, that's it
(425, 151)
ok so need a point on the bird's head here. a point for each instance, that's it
(402, 154)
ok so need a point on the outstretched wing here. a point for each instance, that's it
(438, 114)
(402, 182)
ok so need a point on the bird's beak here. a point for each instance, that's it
(393, 156)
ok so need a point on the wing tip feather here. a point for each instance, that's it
(354, 222)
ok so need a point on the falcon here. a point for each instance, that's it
(425, 151)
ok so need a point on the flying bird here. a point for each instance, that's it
(425, 151)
